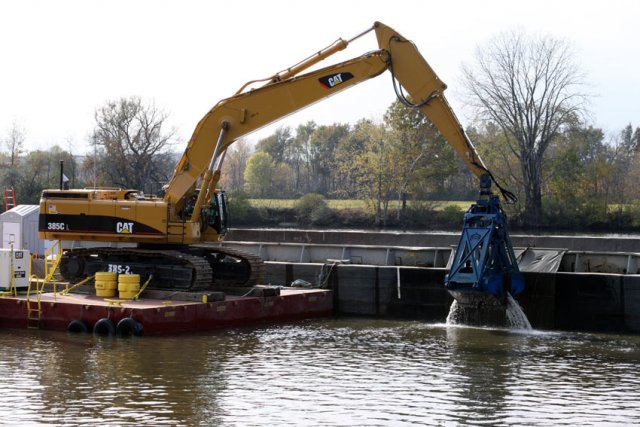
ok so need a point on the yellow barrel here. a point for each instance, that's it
(128, 285)
(106, 284)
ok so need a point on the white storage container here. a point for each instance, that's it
(21, 262)
(19, 226)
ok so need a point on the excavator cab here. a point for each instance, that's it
(215, 215)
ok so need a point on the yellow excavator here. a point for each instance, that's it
(172, 230)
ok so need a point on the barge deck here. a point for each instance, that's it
(151, 316)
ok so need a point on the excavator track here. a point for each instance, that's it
(186, 269)
(233, 268)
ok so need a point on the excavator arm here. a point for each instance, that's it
(289, 91)
(243, 113)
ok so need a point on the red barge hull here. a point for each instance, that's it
(159, 317)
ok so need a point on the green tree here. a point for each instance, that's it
(491, 143)
(263, 177)
(282, 181)
(258, 174)
(276, 144)
(299, 155)
(324, 142)
(36, 175)
(312, 209)
(423, 159)
(293, 157)
(36, 171)
(373, 170)
(628, 165)
(348, 175)
(579, 176)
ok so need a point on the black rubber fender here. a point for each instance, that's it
(129, 326)
(105, 327)
(78, 327)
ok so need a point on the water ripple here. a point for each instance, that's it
(337, 372)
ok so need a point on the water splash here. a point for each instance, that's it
(509, 316)
(516, 318)
(453, 318)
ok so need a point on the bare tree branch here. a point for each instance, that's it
(531, 88)
(135, 143)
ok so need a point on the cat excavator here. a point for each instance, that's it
(171, 231)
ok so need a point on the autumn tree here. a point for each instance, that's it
(579, 171)
(348, 174)
(36, 171)
(15, 143)
(235, 163)
(629, 164)
(295, 150)
(308, 156)
(373, 168)
(10, 172)
(276, 144)
(299, 155)
(531, 88)
(491, 143)
(324, 141)
(423, 158)
(132, 144)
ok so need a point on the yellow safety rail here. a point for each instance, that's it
(34, 307)
(52, 258)
(12, 292)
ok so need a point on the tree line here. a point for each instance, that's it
(398, 165)
(587, 179)
(402, 158)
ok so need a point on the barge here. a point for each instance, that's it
(108, 303)
(78, 312)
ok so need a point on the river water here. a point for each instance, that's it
(322, 372)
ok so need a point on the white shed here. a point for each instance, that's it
(20, 227)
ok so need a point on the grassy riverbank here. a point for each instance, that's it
(353, 204)
(317, 212)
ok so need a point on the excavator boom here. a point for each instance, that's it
(246, 112)
(288, 92)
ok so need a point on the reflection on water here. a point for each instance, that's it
(332, 372)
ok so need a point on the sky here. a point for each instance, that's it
(60, 60)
